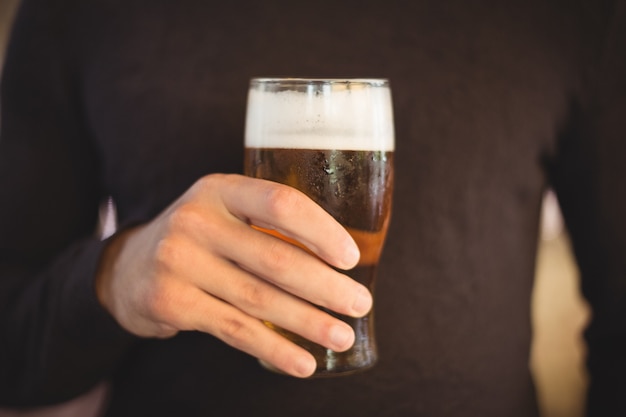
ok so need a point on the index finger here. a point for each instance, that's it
(289, 212)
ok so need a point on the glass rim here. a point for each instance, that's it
(377, 82)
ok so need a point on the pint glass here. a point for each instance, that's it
(332, 139)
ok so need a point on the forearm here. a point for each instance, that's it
(58, 340)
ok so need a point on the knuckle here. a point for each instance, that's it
(254, 296)
(161, 303)
(278, 257)
(209, 187)
(186, 217)
(170, 306)
(165, 331)
(167, 255)
(233, 331)
(282, 201)
(208, 183)
(191, 220)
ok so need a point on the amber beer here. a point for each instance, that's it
(334, 141)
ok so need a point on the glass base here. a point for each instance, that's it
(324, 372)
(361, 356)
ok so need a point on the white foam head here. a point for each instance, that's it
(320, 114)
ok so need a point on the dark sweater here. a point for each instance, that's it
(494, 101)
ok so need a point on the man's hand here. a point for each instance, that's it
(201, 266)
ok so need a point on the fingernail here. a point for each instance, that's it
(342, 337)
(352, 255)
(305, 366)
(362, 303)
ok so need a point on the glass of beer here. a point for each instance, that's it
(332, 139)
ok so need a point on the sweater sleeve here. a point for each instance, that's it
(588, 175)
(56, 341)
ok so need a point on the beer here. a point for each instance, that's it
(332, 140)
